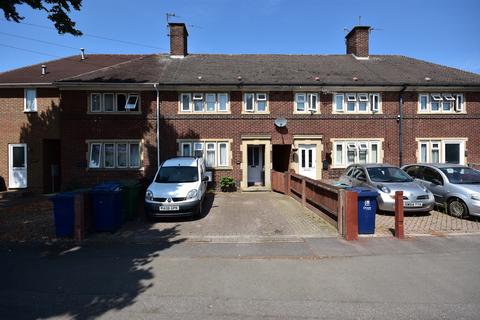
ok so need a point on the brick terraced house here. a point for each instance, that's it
(115, 117)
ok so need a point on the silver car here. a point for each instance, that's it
(454, 186)
(386, 180)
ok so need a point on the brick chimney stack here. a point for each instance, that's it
(357, 41)
(178, 39)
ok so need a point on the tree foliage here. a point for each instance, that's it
(57, 10)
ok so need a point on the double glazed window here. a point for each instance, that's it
(306, 102)
(204, 102)
(114, 154)
(349, 152)
(441, 151)
(215, 153)
(255, 102)
(356, 102)
(440, 102)
(30, 100)
(114, 102)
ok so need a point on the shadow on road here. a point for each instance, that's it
(77, 282)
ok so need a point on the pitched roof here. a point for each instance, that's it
(62, 68)
(255, 69)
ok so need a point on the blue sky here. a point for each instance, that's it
(440, 31)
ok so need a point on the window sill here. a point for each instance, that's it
(204, 112)
(220, 168)
(369, 113)
(306, 112)
(441, 112)
(116, 169)
(255, 112)
(30, 111)
(114, 113)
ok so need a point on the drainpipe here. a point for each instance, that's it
(400, 126)
(155, 85)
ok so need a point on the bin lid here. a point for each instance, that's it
(130, 183)
(364, 192)
(108, 186)
(63, 195)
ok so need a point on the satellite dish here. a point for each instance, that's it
(280, 122)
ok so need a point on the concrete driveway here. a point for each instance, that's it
(237, 217)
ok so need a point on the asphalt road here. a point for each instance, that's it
(383, 278)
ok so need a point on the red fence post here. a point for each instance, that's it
(286, 176)
(399, 231)
(351, 216)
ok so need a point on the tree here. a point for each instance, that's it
(57, 10)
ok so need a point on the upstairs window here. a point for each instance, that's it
(440, 103)
(356, 103)
(306, 103)
(30, 100)
(114, 102)
(255, 102)
(204, 102)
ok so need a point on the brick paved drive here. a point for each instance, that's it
(434, 223)
(241, 217)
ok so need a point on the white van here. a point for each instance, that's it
(178, 188)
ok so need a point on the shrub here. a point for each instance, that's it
(227, 184)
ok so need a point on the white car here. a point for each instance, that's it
(178, 188)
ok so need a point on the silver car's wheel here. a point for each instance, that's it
(457, 208)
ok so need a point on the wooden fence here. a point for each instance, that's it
(335, 205)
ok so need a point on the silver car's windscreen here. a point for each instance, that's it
(388, 174)
(459, 175)
(177, 175)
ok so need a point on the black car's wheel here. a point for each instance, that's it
(457, 208)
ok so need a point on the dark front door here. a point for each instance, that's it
(51, 165)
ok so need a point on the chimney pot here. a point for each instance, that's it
(44, 69)
(357, 41)
(178, 39)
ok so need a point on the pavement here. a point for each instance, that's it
(236, 217)
(433, 223)
(317, 278)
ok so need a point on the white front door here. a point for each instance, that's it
(307, 160)
(17, 166)
(255, 165)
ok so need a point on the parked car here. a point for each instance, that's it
(386, 180)
(178, 188)
(454, 186)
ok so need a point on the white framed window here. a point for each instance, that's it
(95, 152)
(186, 149)
(132, 102)
(114, 102)
(198, 103)
(356, 102)
(448, 150)
(440, 103)
(255, 102)
(211, 158)
(306, 102)
(215, 153)
(108, 102)
(185, 99)
(339, 103)
(210, 101)
(204, 102)
(222, 154)
(198, 149)
(114, 154)
(350, 152)
(30, 100)
(96, 102)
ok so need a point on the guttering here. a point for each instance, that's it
(400, 126)
(155, 85)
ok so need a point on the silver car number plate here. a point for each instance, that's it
(412, 204)
(168, 208)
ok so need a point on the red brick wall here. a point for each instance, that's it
(357, 42)
(78, 126)
(16, 126)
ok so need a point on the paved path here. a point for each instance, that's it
(374, 278)
(434, 223)
(240, 217)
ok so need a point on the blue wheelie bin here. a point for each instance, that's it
(107, 206)
(367, 209)
(64, 213)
